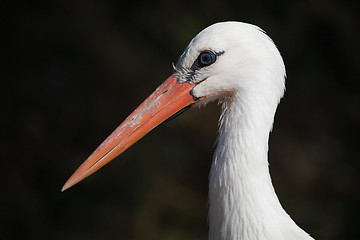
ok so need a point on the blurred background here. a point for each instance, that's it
(71, 71)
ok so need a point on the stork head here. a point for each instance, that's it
(223, 60)
(232, 57)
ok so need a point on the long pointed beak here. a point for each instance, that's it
(168, 99)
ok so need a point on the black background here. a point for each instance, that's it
(71, 71)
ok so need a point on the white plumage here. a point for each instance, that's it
(239, 65)
(249, 80)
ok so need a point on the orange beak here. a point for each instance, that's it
(169, 98)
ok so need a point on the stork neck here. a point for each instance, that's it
(243, 203)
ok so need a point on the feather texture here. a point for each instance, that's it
(249, 81)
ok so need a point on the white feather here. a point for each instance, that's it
(249, 80)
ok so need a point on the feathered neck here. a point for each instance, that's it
(243, 203)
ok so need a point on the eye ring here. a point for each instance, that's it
(206, 58)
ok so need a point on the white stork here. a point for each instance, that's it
(239, 65)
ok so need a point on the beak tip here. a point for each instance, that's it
(65, 187)
(68, 185)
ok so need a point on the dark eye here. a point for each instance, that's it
(206, 58)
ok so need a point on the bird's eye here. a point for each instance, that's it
(206, 58)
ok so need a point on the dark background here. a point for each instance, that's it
(71, 71)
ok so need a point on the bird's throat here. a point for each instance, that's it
(243, 203)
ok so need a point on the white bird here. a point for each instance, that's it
(239, 65)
